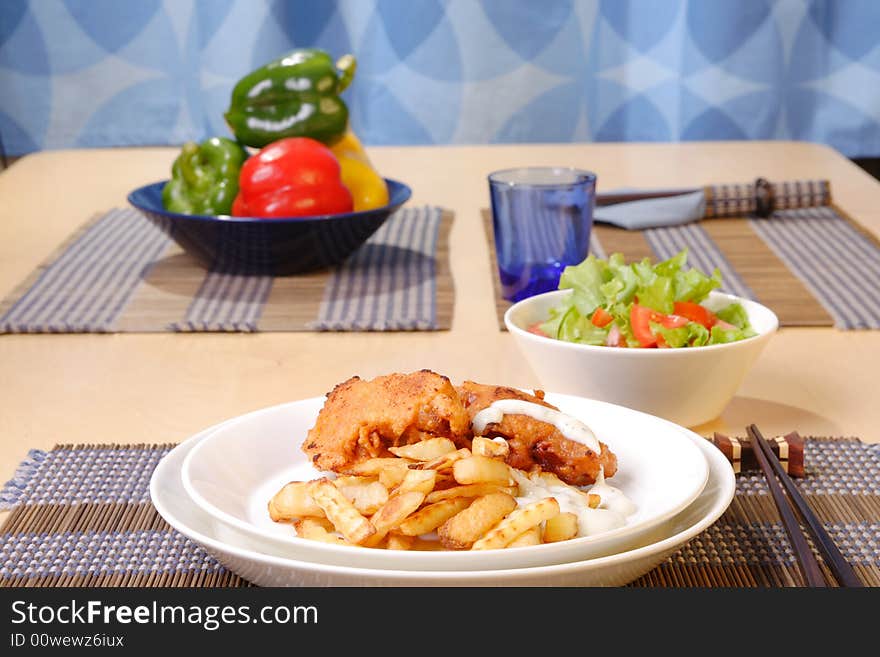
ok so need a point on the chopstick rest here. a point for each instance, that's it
(789, 449)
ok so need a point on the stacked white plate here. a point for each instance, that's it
(214, 488)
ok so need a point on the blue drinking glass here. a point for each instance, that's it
(542, 218)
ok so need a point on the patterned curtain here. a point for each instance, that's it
(83, 73)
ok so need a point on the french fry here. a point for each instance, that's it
(425, 450)
(560, 527)
(323, 521)
(348, 480)
(392, 476)
(367, 496)
(516, 523)
(465, 527)
(528, 537)
(467, 496)
(468, 490)
(481, 469)
(431, 516)
(293, 501)
(443, 462)
(419, 480)
(392, 513)
(444, 480)
(495, 448)
(374, 467)
(315, 530)
(342, 513)
(399, 542)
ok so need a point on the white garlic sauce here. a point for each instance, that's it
(614, 506)
(568, 426)
(613, 509)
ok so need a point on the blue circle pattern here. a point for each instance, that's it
(528, 28)
(629, 21)
(110, 23)
(437, 72)
(11, 13)
(720, 28)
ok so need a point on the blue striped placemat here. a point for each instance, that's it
(81, 516)
(120, 273)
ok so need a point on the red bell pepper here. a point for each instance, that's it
(293, 177)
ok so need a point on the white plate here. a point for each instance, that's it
(232, 474)
(174, 505)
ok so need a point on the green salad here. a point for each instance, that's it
(642, 305)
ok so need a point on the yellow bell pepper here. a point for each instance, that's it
(350, 146)
(368, 189)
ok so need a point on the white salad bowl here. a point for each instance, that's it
(234, 471)
(687, 386)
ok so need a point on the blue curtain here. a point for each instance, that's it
(82, 73)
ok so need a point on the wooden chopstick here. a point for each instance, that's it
(807, 561)
(842, 570)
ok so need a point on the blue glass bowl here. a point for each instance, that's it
(278, 247)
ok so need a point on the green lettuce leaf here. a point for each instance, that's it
(692, 285)
(692, 335)
(724, 335)
(658, 294)
(556, 315)
(574, 327)
(698, 335)
(734, 314)
(585, 280)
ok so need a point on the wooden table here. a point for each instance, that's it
(131, 388)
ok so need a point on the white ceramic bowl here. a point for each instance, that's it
(175, 506)
(233, 472)
(688, 386)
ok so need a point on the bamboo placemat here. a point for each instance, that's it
(812, 266)
(120, 273)
(81, 516)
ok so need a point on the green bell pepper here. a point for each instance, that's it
(204, 177)
(296, 95)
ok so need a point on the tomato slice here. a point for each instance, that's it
(695, 313)
(601, 317)
(670, 321)
(640, 318)
(536, 329)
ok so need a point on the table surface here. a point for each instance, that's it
(149, 388)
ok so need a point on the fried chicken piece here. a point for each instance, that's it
(362, 419)
(533, 442)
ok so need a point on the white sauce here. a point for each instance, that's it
(614, 506)
(613, 509)
(569, 427)
(612, 498)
